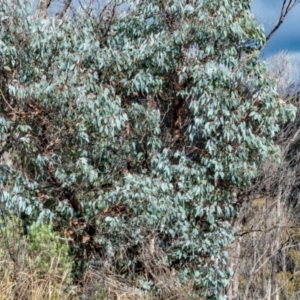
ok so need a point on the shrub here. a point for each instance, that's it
(36, 266)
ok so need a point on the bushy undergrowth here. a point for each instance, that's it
(33, 266)
(37, 266)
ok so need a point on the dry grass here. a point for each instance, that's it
(25, 283)
(97, 286)
(27, 274)
(117, 287)
(30, 274)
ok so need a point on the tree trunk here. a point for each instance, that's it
(275, 249)
(235, 279)
(42, 8)
(273, 276)
(235, 250)
(263, 272)
(65, 8)
(178, 122)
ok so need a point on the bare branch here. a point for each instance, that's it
(287, 6)
(65, 8)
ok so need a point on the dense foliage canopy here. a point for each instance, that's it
(137, 126)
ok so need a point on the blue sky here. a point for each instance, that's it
(287, 37)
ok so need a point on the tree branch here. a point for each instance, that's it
(65, 8)
(287, 6)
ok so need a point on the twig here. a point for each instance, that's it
(4, 99)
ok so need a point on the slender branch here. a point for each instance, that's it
(6, 102)
(65, 8)
(287, 6)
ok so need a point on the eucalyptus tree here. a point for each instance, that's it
(132, 128)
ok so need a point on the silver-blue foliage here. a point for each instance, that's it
(137, 124)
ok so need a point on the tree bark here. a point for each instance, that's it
(65, 8)
(235, 279)
(234, 252)
(42, 8)
(275, 249)
(263, 272)
(178, 112)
